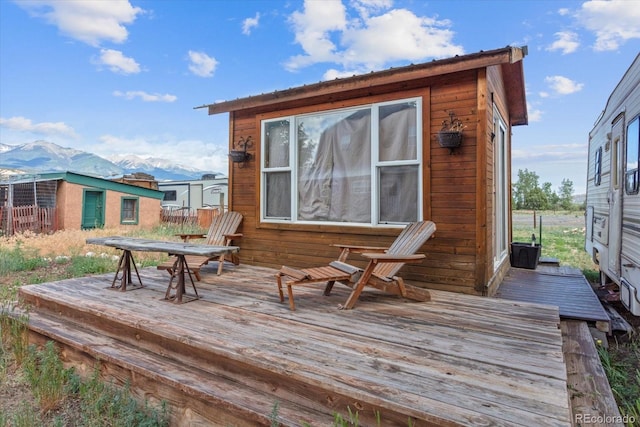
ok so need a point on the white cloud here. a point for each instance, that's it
(552, 152)
(398, 35)
(202, 64)
(368, 41)
(566, 41)
(553, 162)
(147, 97)
(614, 22)
(332, 73)
(562, 85)
(117, 62)
(366, 7)
(250, 23)
(22, 124)
(312, 29)
(91, 22)
(534, 114)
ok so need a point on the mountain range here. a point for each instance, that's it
(43, 156)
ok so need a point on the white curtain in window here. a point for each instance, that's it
(337, 185)
(398, 185)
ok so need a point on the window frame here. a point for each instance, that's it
(501, 193)
(597, 167)
(123, 210)
(170, 195)
(377, 165)
(632, 176)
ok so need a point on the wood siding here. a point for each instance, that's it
(496, 95)
(457, 187)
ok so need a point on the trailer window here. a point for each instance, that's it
(170, 196)
(632, 178)
(598, 167)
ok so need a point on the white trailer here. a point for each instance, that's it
(613, 198)
(208, 192)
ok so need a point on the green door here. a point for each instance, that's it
(93, 209)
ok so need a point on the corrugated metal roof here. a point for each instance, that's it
(510, 58)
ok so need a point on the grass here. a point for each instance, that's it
(563, 236)
(57, 396)
(620, 363)
(60, 396)
(562, 239)
(29, 259)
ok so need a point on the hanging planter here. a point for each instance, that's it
(238, 156)
(450, 136)
(449, 139)
(241, 156)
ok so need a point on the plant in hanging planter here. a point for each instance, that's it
(241, 156)
(450, 136)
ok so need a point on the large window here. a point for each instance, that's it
(129, 210)
(632, 174)
(357, 166)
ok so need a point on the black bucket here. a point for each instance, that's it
(525, 255)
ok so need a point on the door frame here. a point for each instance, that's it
(100, 204)
(614, 195)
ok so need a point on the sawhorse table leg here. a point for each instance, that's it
(180, 269)
(123, 273)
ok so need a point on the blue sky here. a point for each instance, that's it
(123, 77)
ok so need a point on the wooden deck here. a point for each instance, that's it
(229, 357)
(565, 287)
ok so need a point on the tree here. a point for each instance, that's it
(552, 199)
(527, 194)
(523, 190)
(566, 194)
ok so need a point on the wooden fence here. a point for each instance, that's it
(28, 218)
(202, 218)
(178, 216)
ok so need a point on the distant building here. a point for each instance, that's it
(208, 192)
(68, 200)
(140, 179)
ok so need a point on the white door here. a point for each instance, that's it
(500, 189)
(615, 197)
(196, 197)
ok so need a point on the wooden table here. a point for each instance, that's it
(175, 292)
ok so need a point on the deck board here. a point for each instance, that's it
(566, 288)
(457, 360)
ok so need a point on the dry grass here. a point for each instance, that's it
(70, 243)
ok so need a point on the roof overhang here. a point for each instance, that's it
(509, 58)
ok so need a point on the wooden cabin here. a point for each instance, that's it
(353, 160)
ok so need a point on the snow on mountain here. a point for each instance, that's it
(131, 161)
(44, 156)
(51, 148)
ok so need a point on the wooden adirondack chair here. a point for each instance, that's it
(380, 273)
(221, 233)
